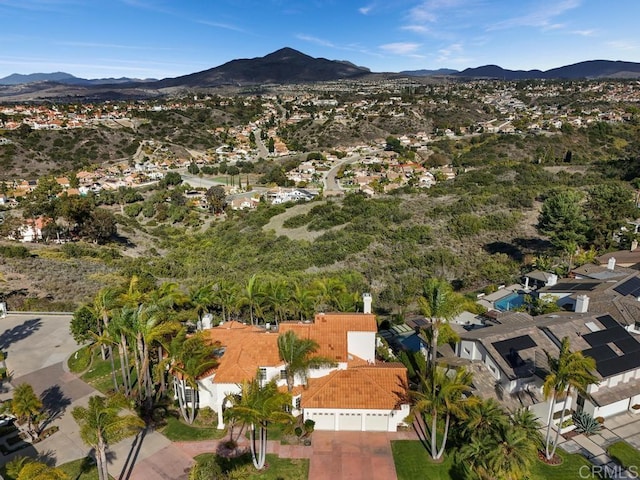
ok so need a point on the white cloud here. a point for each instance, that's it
(318, 41)
(584, 33)
(400, 48)
(366, 10)
(445, 54)
(541, 17)
(224, 26)
(416, 28)
(623, 45)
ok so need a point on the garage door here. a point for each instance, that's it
(324, 421)
(350, 421)
(376, 422)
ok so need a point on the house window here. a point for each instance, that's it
(262, 374)
(298, 403)
(283, 374)
(190, 393)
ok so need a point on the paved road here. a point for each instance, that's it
(331, 184)
(37, 348)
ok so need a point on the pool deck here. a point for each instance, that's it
(488, 301)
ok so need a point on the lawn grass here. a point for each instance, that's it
(80, 360)
(178, 431)
(83, 469)
(624, 454)
(277, 468)
(573, 465)
(413, 461)
(99, 375)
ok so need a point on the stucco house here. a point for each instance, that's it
(601, 325)
(358, 393)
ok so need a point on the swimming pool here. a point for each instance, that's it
(511, 301)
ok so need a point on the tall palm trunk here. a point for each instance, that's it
(140, 367)
(434, 436)
(564, 407)
(163, 385)
(123, 370)
(178, 386)
(444, 436)
(101, 459)
(105, 321)
(435, 331)
(549, 422)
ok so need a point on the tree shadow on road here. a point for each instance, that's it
(54, 404)
(19, 332)
(127, 469)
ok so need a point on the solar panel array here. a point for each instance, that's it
(608, 321)
(630, 287)
(573, 286)
(608, 361)
(509, 350)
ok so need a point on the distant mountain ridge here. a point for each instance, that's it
(65, 78)
(591, 69)
(282, 66)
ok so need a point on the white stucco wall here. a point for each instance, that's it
(394, 418)
(362, 344)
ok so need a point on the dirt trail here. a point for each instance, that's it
(300, 233)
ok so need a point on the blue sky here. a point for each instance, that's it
(166, 38)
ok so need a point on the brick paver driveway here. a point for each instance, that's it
(353, 456)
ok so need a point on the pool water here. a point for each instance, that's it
(511, 301)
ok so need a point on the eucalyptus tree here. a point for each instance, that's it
(569, 372)
(102, 425)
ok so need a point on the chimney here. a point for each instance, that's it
(366, 300)
(634, 245)
(553, 280)
(582, 304)
(611, 264)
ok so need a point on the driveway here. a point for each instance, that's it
(37, 348)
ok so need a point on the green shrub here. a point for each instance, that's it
(14, 251)
(585, 423)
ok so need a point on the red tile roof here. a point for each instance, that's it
(361, 387)
(330, 331)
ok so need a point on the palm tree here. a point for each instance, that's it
(297, 355)
(505, 452)
(446, 394)
(26, 405)
(201, 298)
(257, 406)
(251, 296)
(483, 418)
(440, 304)
(34, 470)
(189, 358)
(102, 425)
(302, 300)
(276, 296)
(326, 291)
(570, 372)
(225, 294)
(150, 329)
